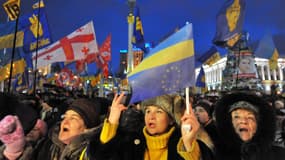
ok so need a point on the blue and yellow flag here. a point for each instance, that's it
(210, 57)
(18, 67)
(229, 23)
(201, 81)
(138, 35)
(266, 49)
(30, 26)
(7, 33)
(35, 28)
(168, 68)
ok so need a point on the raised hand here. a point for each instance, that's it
(12, 135)
(189, 135)
(116, 109)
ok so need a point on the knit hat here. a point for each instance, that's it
(88, 110)
(206, 106)
(171, 104)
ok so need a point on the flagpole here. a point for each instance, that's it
(131, 19)
(13, 53)
(37, 46)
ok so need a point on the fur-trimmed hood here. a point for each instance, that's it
(265, 124)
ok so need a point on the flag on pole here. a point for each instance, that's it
(210, 57)
(29, 27)
(200, 81)
(229, 23)
(138, 34)
(75, 46)
(7, 34)
(18, 67)
(36, 33)
(103, 57)
(12, 8)
(266, 49)
(168, 68)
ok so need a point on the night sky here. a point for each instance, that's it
(159, 18)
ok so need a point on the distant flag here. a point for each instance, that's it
(168, 68)
(75, 46)
(229, 21)
(267, 49)
(21, 81)
(210, 57)
(103, 57)
(200, 81)
(12, 8)
(138, 34)
(18, 67)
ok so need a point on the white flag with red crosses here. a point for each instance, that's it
(75, 46)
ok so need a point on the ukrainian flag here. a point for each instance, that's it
(168, 68)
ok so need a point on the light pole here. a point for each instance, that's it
(131, 20)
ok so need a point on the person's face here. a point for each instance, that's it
(244, 65)
(244, 123)
(157, 120)
(71, 126)
(33, 135)
(201, 114)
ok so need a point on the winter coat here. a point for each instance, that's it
(53, 149)
(26, 155)
(132, 146)
(260, 147)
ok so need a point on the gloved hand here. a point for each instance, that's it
(12, 135)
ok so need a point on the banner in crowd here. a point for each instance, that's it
(168, 68)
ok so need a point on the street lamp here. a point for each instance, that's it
(131, 20)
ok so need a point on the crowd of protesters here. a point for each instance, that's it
(236, 125)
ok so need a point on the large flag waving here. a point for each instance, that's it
(168, 68)
(75, 46)
(32, 27)
(229, 23)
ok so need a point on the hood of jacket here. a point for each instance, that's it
(265, 124)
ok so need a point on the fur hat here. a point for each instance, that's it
(266, 122)
(88, 110)
(174, 105)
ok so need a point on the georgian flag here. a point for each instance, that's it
(75, 46)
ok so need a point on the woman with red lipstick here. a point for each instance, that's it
(160, 137)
